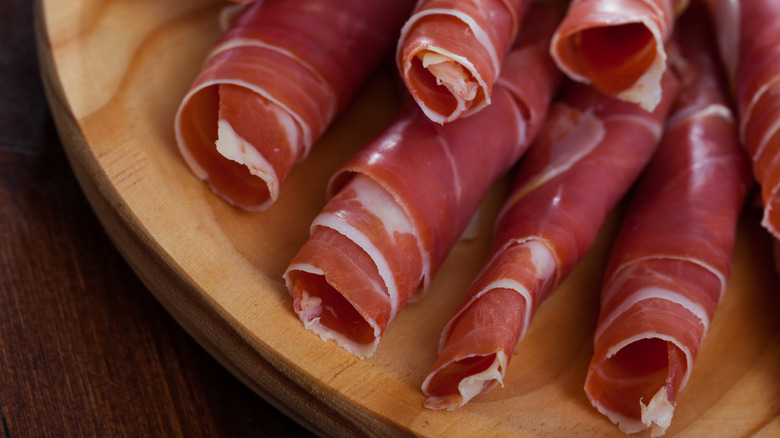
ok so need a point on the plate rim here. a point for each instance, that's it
(181, 292)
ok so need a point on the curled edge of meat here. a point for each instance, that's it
(423, 64)
(656, 413)
(573, 56)
(490, 360)
(224, 155)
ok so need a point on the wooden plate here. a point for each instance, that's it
(115, 72)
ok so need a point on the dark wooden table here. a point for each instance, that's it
(85, 350)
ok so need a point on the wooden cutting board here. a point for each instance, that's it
(116, 71)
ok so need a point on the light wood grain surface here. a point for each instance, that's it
(117, 71)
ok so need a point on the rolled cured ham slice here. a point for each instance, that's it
(450, 53)
(588, 154)
(758, 100)
(672, 258)
(272, 85)
(617, 46)
(401, 203)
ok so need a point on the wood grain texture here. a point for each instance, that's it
(116, 73)
(85, 349)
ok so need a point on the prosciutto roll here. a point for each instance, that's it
(450, 53)
(758, 100)
(272, 85)
(399, 205)
(617, 46)
(672, 258)
(588, 154)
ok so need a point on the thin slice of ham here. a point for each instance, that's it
(450, 53)
(758, 100)
(617, 46)
(401, 203)
(272, 85)
(672, 258)
(590, 151)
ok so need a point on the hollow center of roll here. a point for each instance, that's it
(637, 373)
(615, 57)
(336, 313)
(445, 86)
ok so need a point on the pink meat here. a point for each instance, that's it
(758, 100)
(450, 53)
(272, 85)
(672, 259)
(588, 154)
(724, 15)
(618, 47)
(401, 203)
